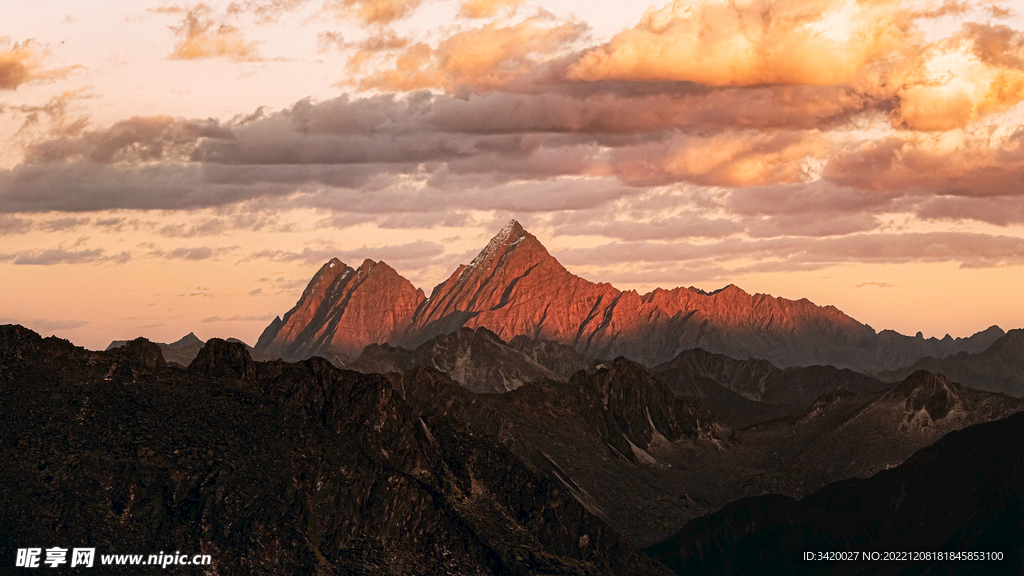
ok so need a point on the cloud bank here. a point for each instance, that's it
(800, 132)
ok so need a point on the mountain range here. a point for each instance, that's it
(998, 368)
(184, 350)
(282, 468)
(514, 287)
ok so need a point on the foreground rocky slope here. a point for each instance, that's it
(278, 468)
(271, 468)
(514, 287)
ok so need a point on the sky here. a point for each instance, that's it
(168, 168)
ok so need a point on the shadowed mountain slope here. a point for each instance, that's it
(998, 368)
(963, 493)
(760, 380)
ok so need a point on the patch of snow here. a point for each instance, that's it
(495, 244)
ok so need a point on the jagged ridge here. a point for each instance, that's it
(514, 287)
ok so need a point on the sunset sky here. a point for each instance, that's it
(168, 168)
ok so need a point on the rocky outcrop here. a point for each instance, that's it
(342, 311)
(223, 359)
(998, 368)
(514, 287)
(477, 359)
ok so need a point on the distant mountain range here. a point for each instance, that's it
(998, 368)
(514, 287)
(183, 351)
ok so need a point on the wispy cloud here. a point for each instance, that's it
(54, 256)
(200, 35)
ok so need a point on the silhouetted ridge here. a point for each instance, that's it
(220, 358)
(143, 352)
(300, 469)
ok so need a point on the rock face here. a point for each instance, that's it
(514, 287)
(477, 359)
(270, 468)
(998, 368)
(342, 311)
(602, 435)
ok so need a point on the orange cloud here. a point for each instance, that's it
(980, 163)
(485, 57)
(727, 159)
(59, 110)
(812, 42)
(486, 8)
(377, 12)
(976, 72)
(385, 41)
(199, 36)
(875, 48)
(327, 41)
(264, 10)
(22, 62)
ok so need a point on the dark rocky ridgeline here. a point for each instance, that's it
(621, 404)
(963, 493)
(185, 350)
(745, 392)
(845, 435)
(602, 435)
(760, 380)
(998, 368)
(478, 359)
(271, 468)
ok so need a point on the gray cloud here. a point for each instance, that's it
(62, 224)
(208, 227)
(199, 253)
(62, 256)
(51, 325)
(238, 318)
(970, 250)
(413, 251)
(373, 145)
(14, 225)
